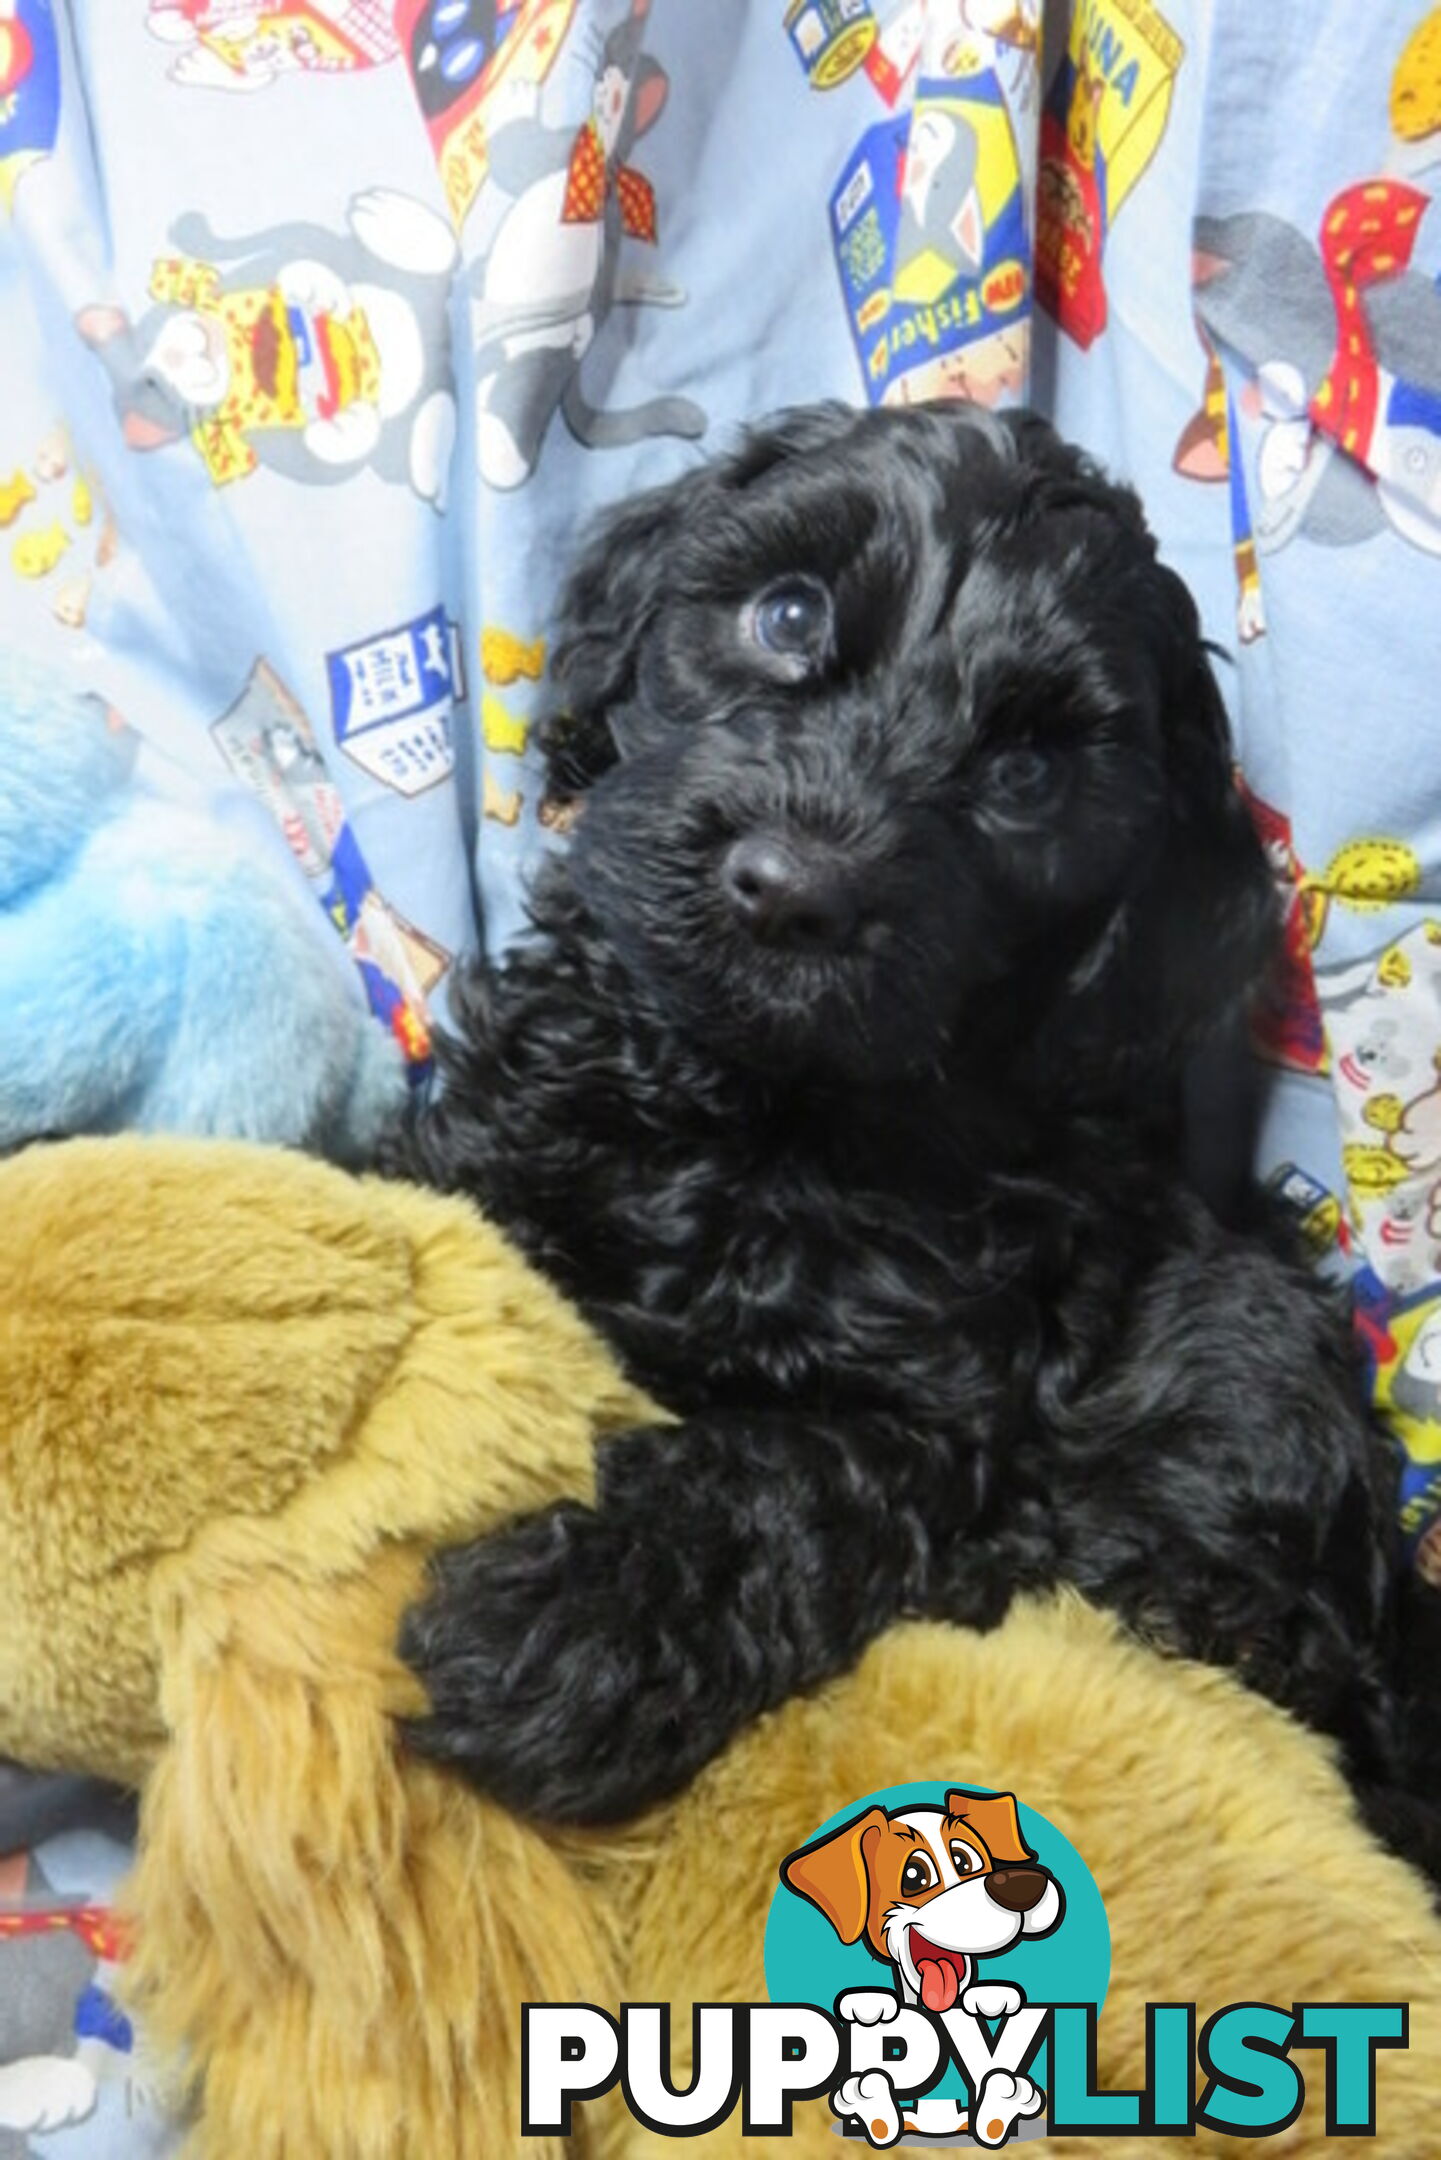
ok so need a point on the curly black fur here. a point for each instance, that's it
(868, 1164)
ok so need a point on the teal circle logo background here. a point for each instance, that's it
(806, 1961)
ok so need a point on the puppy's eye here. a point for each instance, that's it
(968, 1860)
(917, 1875)
(1019, 776)
(792, 619)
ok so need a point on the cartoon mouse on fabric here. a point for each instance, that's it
(1340, 335)
(318, 353)
(552, 273)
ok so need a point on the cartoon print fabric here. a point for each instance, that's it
(339, 317)
(326, 322)
(1282, 419)
(73, 2072)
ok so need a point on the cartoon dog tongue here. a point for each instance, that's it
(939, 1978)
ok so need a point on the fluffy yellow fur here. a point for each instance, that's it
(241, 1397)
(1222, 1837)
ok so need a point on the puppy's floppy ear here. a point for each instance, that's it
(996, 1823)
(1194, 936)
(794, 431)
(1212, 917)
(606, 607)
(626, 569)
(1069, 474)
(832, 1874)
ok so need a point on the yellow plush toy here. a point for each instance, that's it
(1222, 1837)
(241, 1398)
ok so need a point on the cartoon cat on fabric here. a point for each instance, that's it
(62, 2037)
(552, 273)
(1262, 288)
(316, 354)
(1342, 337)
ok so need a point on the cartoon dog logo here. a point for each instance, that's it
(932, 1890)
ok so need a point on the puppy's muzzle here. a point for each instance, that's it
(798, 896)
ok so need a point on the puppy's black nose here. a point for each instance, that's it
(1018, 1889)
(802, 900)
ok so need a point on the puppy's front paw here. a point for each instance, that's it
(869, 2099)
(867, 2006)
(992, 1999)
(547, 1681)
(1005, 2098)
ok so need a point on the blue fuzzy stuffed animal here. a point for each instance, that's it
(155, 972)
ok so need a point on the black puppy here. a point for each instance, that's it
(838, 1085)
